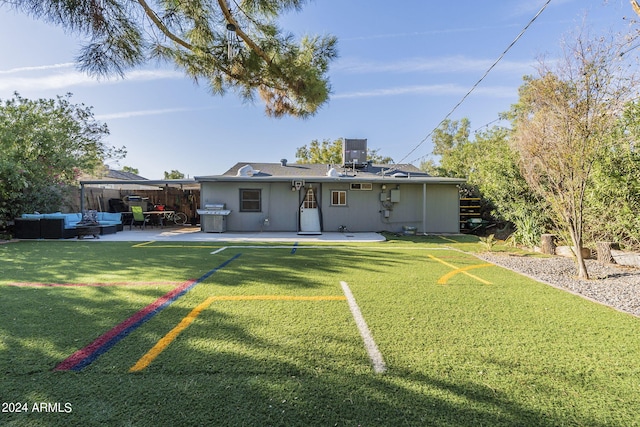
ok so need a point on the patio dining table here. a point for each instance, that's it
(158, 217)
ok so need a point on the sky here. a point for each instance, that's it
(403, 67)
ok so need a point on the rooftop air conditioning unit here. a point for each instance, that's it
(354, 153)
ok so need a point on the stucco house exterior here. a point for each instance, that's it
(316, 198)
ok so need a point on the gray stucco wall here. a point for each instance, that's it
(364, 210)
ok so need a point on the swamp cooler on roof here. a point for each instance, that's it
(354, 153)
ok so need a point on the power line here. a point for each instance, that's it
(479, 81)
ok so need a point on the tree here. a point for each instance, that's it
(561, 123)
(238, 47)
(330, 152)
(490, 166)
(494, 170)
(325, 152)
(131, 170)
(449, 141)
(616, 182)
(174, 174)
(45, 145)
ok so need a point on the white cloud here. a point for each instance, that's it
(23, 79)
(38, 68)
(531, 7)
(449, 64)
(438, 90)
(435, 32)
(129, 114)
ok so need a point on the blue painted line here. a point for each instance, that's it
(295, 247)
(125, 332)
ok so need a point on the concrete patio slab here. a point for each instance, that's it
(194, 234)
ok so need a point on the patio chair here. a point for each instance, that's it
(138, 219)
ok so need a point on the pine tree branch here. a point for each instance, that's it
(227, 14)
(154, 17)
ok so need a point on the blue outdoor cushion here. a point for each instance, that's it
(110, 217)
(71, 219)
(32, 216)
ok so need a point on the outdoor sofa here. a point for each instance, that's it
(62, 225)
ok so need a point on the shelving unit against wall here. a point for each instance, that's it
(469, 208)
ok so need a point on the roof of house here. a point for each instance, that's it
(244, 171)
(120, 180)
(122, 175)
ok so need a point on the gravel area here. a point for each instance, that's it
(613, 285)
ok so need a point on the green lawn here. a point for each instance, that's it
(278, 345)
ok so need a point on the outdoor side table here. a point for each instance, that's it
(88, 230)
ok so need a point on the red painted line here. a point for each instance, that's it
(83, 357)
(85, 352)
(51, 285)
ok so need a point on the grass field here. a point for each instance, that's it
(151, 334)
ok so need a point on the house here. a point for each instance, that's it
(357, 196)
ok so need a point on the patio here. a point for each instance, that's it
(194, 234)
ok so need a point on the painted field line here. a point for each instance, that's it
(164, 342)
(139, 245)
(372, 349)
(279, 298)
(85, 356)
(352, 248)
(444, 279)
(168, 338)
(45, 285)
(174, 246)
(460, 270)
(448, 240)
(252, 247)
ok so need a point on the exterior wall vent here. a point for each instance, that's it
(354, 153)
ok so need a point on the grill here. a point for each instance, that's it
(214, 218)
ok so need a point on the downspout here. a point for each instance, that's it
(424, 208)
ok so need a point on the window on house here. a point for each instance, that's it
(338, 198)
(361, 186)
(250, 200)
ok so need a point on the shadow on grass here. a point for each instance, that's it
(62, 262)
(280, 395)
(222, 372)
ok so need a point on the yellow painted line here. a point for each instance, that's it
(462, 270)
(164, 342)
(279, 298)
(443, 280)
(184, 246)
(447, 239)
(167, 339)
(139, 245)
(143, 244)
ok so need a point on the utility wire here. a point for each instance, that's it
(477, 83)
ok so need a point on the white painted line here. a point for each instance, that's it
(297, 247)
(374, 354)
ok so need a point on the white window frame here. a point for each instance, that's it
(344, 197)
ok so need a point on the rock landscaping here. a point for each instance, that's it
(610, 284)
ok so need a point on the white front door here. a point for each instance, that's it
(310, 214)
